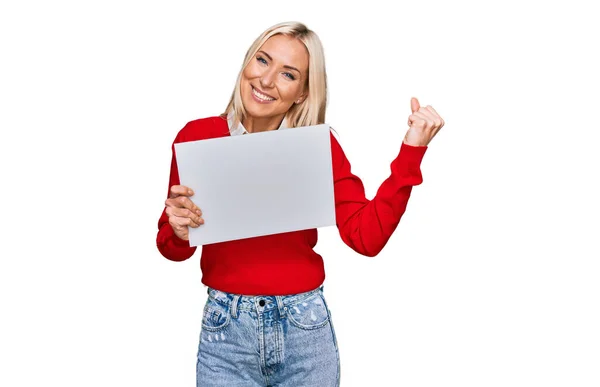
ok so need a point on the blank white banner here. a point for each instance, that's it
(259, 184)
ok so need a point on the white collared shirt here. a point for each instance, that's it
(239, 130)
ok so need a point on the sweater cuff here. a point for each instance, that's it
(408, 163)
(177, 241)
(174, 239)
(412, 153)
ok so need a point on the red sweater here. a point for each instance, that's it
(286, 263)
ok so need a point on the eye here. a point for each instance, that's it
(290, 76)
(261, 59)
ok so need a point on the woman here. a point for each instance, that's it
(266, 321)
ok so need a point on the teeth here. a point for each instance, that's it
(261, 96)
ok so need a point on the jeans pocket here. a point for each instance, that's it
(216, 316)
(310, 313)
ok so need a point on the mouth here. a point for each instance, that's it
(261, 96)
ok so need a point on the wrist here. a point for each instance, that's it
(414, 143)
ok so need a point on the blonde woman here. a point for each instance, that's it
(266, 322)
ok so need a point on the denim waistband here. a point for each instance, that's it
(238, 302)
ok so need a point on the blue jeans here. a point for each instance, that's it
(267, 341)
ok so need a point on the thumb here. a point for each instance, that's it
(414, 104)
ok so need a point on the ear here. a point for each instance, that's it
(301, 98)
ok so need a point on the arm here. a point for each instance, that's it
(170, 245)
(366, 225)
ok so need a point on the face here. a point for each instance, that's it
(275, 78)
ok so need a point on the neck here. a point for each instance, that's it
(253, 124)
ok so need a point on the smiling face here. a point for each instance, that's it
(274, 79)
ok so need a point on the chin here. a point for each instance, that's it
(255, 111)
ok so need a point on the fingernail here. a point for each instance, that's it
(190, 192)
(198, 212)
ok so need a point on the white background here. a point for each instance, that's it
(491, 279)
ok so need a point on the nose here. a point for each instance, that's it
(267, 79)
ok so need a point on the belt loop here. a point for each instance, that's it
(234, 306)
(282, 309)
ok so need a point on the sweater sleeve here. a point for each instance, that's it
(170, 245)
(366, 225)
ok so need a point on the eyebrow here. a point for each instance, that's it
(286, 66)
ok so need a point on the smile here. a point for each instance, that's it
(261, 97)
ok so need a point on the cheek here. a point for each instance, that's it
(246, 77)
(291, 91)
(251, 71)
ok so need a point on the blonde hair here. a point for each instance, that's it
(311, 111)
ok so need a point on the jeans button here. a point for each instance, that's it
(261, 302)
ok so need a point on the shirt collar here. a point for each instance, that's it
(239, 130)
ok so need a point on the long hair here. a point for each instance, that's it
(311, 111)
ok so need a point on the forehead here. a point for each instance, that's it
(286, 50)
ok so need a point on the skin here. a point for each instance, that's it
(279, 70)
(424, 123)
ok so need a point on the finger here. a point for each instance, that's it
(183, 213)
(431, 109)
(183, 222)
(437, 119)
(183, 202)
(414, 104)
(431, 117)
(180, 190)
(415, 117)
(433, 120)
(419, 119)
